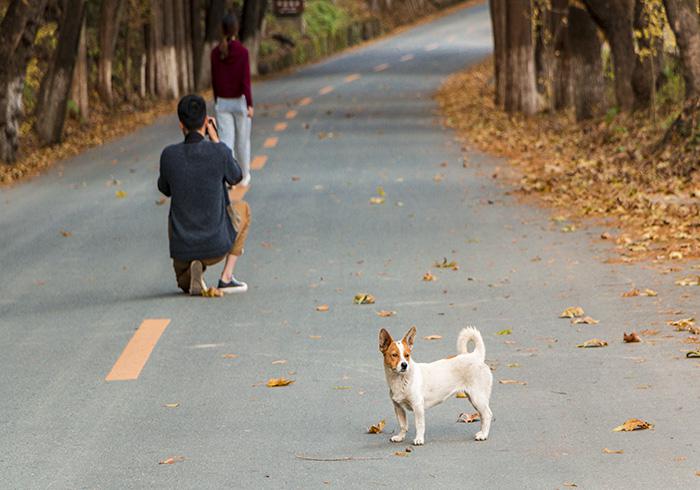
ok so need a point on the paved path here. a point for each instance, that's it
(69, 306)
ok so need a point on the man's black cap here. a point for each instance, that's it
(192, 111)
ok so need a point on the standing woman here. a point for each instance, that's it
(230, 74)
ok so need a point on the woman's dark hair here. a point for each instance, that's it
(229, 28)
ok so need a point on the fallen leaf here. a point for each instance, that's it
(649, 332)
(682, 324)
(572, 312)
(173, 460)
(507, 331)
(447, 265)
(380, 191)
(438, 177)
(429, 277)
(363, 299)
(314, 337)
(633, 424)
(461, 394)
(230, 356)
(631, 337)
(569, 484)
(676, 255)
(569, 228)
(275, 382)
(212, 293)
(280, 361)
(343, 388)
(376, 200)
(120, 194)
(689, 281)
(385, 313)
(585, 320)
(613, 451)
(322, 308)
(377, 428)
(468, 418)
(295, 178)
(513, 365)
(161, 201)
(401, 453)
(432, 337)
(636, 292)
(512, 382)
(171, 405)
(593, 343)
(66, 234)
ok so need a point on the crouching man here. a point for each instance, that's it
(204, 227)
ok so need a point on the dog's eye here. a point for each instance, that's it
(394, 355)
(407, 356)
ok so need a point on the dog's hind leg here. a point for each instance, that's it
(403, 423)
(481, 403)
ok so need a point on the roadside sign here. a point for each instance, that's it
(288, 8)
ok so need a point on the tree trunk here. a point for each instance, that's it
(550, 59)
(585, 63)
(168, 69)
(79, 90)
(521, 86)
(683, 19)
(251, 29)
(212, 34)
(17, 33)
(615, 18)
(55, 87)
(649, 61)
(110, 18)
(498, 25)
(179, 33)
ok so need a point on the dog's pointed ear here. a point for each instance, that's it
(385, 340)
(410, 336)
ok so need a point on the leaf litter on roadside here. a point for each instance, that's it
(572, 312)
(637, 292)
(468, 418)
(593, 343)
(630, 337)
(586, 320)
(512, 382)
(613, 451)
(432, 337)
(633, 424)
(385, 313)
(445, 264)
(377, 428)
(428, 277)
(278, 382)
(363, 299)
(173, 460)
(322, 308)
(212, 293)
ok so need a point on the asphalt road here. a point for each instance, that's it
(70, 304)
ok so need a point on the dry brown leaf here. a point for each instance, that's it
(171, 405)
(377, 428)
(66, 234)
(432, 337)
(314, 337)
(613, 451)
(428, 276)
(689, 281)
(401, 453)
(212, 293)
(120, 194)
(447, 265)
(322, 308)
(173, 460)
(648, 332)
(377, 200)
(161, 201)
(633, 424)
(569, 484)
(363, 299)
(385, 313)
(438, 177)
(280, 361)
(572, 312)
(631, 337)
(468, 418)
(593, 343)
(585, 320)
(276, 382)
(512, 382)
(230, 356)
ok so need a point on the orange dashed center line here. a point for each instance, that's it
(258, 162)
(352, 78)
(326, 90)
(381, 67)
(306, 101)
(271, 142)
(407, 57)
(280, 126)
(137, 351)
(291, 114)
(432, 47)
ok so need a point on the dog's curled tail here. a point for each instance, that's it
(467, 334)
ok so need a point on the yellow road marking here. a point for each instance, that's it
(306, 101)
(137, 351)
(407, 57)
(280, 126)
(258, 162)
(381, 67)
(352, 78)
(271, 142)
(291, 114)
(326, 90)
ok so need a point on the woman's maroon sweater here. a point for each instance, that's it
(230, 76)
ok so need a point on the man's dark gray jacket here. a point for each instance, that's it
(194, 175)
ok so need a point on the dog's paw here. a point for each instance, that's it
(398, 438)
(418, 441)
(480, 436)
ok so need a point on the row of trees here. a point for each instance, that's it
(161, 49)
(548, 53)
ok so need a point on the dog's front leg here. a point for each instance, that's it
(403, 423)
(419, 411)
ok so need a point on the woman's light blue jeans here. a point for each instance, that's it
(234, 129)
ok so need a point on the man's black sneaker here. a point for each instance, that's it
(233, 286)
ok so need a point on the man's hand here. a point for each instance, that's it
(212, 131)
(251, 111)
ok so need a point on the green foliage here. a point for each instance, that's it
(323, 18)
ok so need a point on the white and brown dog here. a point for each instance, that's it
(418, 386)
